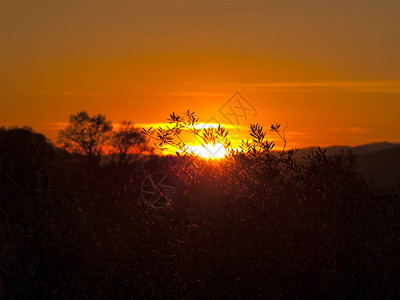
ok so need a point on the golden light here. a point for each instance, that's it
(208, 151)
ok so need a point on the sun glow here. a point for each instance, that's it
(208, 151)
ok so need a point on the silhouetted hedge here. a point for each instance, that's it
(251, 227)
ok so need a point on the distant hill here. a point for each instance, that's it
(378, 162)
(359, 150)
(331, 150)
(382, 168)
(375, 147)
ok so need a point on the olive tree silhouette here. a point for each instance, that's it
(188, 123)
(128, 141)
(86, 135)
(252, 171)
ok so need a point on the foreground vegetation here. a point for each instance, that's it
(252, 225)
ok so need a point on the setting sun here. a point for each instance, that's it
(208, 151)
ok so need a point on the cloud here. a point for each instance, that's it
(63, 93)
(295, 133)
(198, 126)
(188, 94)
(384, 91)
(53, 125)
(372, 86)
(348, 129)
(62, 125)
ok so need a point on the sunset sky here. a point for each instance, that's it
(330, 69)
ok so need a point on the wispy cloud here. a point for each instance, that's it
(188, 94)
(198, 126)
(65, 93)
(62, 125)
(348, 129)
(372, 86)
(382, 90)
(295, 133)
(53, 125)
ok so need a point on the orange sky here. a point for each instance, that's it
(331, 69)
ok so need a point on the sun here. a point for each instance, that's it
(208, 150)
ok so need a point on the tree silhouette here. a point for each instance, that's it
(26, 158)
(86, 135)
(172, 134)
(128, 141)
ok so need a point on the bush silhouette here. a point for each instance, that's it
(259, 224)
(25, 156)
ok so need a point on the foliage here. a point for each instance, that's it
(172, 135)
(25, 158)
(128, 141)
(258, 224)
(253, 164)
(86, 135)
(94, 136)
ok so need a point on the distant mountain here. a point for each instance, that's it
(331, 150)
(375, 147)
(359, 150)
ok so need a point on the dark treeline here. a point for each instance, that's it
(254, 225)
